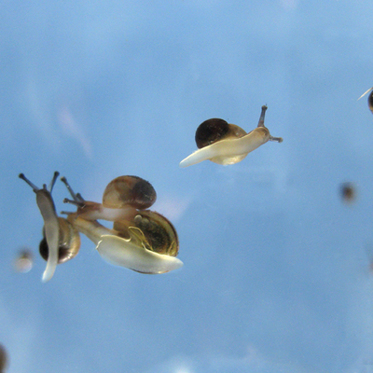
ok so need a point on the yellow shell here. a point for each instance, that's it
(153, 229)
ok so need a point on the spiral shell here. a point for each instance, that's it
(215, 129)
(129, 190)
(159, 235)
(68, 245)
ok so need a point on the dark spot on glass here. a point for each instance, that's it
(348, 192)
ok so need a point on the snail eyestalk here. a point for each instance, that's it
(262, 116)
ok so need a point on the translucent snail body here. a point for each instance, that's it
(51, 225)
(225, 143)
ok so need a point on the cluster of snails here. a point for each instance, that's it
(141, 240)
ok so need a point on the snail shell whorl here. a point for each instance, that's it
(210, 131)
(215, 129)
(68, 245)
(129, 190)
(159, 232)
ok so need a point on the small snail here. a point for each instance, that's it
(122, 198)
(370, 98)
(145, 242)
(61, 240)
(224, 143)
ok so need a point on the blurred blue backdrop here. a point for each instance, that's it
(276, 274)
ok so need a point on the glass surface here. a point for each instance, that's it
(276, 274)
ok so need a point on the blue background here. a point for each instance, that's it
(276, 266)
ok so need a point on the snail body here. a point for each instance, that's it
(225, 143)
(134, 256)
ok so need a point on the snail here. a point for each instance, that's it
(370, 98)
(224, 143)
(61, 240)
(122, 197)
(145, 241)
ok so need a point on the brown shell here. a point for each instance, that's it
(215, 129)
(69, 243)
(160, 235)
(129, 190)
